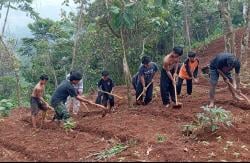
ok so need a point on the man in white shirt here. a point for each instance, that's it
(72, 101)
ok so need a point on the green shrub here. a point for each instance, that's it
(211, 118)
(69, 124)
(214, 118)
(5, 107)
(7, 87)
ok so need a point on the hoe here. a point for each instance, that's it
(177, 105)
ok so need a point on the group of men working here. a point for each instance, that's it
(144, 78)
(172, 76)
(67, 95)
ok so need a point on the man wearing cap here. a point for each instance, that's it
(61, 94)
(225, 63)
(188, 72)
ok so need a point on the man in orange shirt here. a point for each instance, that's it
(188, 72)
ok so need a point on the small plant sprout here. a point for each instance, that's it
(69, 125)
(188, 129)
(161, 138)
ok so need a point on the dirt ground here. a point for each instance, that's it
(138, 127)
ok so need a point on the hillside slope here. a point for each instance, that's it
(140, 128)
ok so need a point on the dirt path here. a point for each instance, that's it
(139, 128)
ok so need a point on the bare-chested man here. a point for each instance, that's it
(168, 72)
(37, 103)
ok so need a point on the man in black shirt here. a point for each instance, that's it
(61, 94)
(225, 63)
(105, 84)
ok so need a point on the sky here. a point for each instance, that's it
(17, 21)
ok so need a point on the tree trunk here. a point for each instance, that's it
(126, 72)
(245, 10)
(245, 46)
(173, 40)
(18, 88)
(78, 28)
(5, 20)
(246, 38)
(53, 69)
(229, 35)
(187, 23)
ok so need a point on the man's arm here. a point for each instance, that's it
(237, 80)
(196, 72)
(188, 68)
(80, 98)
(141, 76)
(142, 80)
(155, 70)
(112, 86)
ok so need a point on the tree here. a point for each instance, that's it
(14, 66)
(51, 42)
(187, 23)
(229, 35)
(77, 32)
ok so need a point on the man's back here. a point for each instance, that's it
(225, 62)
(61, 93)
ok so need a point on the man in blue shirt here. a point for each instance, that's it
(225, 63)
(141, 80)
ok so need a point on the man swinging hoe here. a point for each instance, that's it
(222, 65)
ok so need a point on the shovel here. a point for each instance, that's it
(176, 105)
(105, 111)
(143, 91)
(234, 89)
(50, 107)
(111, 94)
